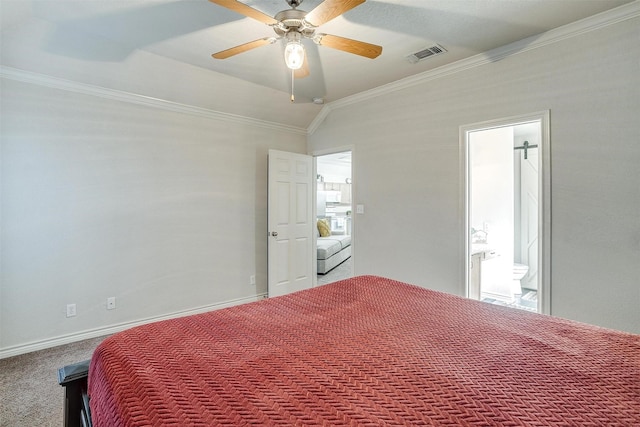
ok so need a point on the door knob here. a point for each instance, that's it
(274, 233)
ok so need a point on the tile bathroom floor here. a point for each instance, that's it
(528, 301)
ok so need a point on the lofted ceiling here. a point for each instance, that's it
(162, 48)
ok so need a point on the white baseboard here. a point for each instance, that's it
(112, 329)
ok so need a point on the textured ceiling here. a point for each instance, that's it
(162, 48)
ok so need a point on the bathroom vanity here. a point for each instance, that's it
(479, 253)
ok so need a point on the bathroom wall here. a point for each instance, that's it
(491, 197)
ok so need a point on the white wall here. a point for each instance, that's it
(412, 227)
(165, 211)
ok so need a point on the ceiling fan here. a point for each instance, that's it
(293, 25)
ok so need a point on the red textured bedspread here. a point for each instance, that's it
(366, 351)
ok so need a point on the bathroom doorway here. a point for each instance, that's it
(506, 200)
(334, 195)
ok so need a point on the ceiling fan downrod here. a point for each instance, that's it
(294, 3)
(293, 98)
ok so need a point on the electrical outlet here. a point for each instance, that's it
(111, 303)
(71, 310)
(252, 280)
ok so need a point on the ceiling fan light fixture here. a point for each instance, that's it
(294, 51)
(294, 55)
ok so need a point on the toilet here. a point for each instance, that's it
(519, 271)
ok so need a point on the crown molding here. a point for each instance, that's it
(592, 23)
(315, 124)
(133, 98)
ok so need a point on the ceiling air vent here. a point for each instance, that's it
(426, 53)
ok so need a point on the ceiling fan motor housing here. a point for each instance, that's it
(292, 20)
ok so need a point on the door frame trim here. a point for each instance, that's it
(544, 207)
(318, 153)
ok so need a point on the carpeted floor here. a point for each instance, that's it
(341, 271)
(29, 391)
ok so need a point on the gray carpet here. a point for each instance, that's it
(341, 271)
(29, 391)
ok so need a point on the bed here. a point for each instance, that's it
(365, 351)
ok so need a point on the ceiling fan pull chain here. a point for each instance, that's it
(292, 79)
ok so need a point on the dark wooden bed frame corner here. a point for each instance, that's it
(76, 401)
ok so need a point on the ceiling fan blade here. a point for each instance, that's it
(330, 9)
(303, 71)
(245, 10)
(224, 54)
(356, 47)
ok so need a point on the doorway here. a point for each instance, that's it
(507, 215)
(334, 195)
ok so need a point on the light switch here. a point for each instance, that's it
(360, 209)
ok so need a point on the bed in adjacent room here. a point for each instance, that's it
(366, 351)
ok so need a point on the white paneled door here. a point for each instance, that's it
(290, 222)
